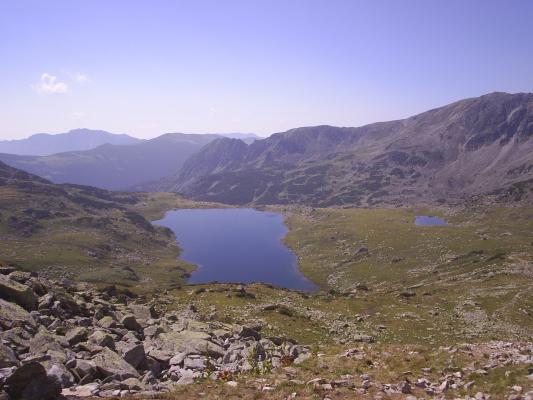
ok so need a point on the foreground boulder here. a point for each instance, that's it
(108, 363)
(12, 315)
(15, 292)
(7, 357)
(31, 382)
(190, 342)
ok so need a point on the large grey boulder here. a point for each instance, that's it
(102, 339)
(60, 373)
(109, 363)
(44, 342)
(77, 335)
(132, 353)
(129, 322)
(7, 357)
(190, 342)
(12, 315)
(85, 370)
(142, 313)
(31, 382)
(15, 292)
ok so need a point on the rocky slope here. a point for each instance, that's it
(114, 167)
(43, 144)
(472, 147)
(73, 339)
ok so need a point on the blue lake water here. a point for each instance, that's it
(236, 245)
(428, 220)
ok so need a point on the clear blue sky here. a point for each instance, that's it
(153, 66)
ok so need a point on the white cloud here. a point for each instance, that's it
(77, 114)
(80, 77)
(50, 84)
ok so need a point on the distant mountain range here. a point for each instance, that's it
(42, 144)
(115, 167)
(246, 137)
(471, 147)
(106, 160)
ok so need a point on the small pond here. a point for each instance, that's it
(236, 245)
(429, 220)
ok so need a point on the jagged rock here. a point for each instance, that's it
(177, 359)
(246, 332)
(133, 384)
(188, 341)
(102, 339)
(187, 377)
(77, 335)
(109, 363)
(87, 390)
(301, 358)
(17, 339)
(129, 322)
(7, 357)
(405, 387)
(363, 338)
(85, 370)
(153, 331)
(30, 382)
(15, 292)
(362, 250)
(195, 362)
(20, 276)
(132, 353)
(107, 322)
(7, 269)
(143, 313)
(60, 374)
(12, 315)
(161, 356)
(46, 342)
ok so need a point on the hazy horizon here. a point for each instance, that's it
(157, 134)
(147, 68)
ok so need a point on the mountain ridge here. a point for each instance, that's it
(447, 154)
(42, 144)
(114, 167)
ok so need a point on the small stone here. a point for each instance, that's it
(468, 385)
(405, 387)
(445, 385)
